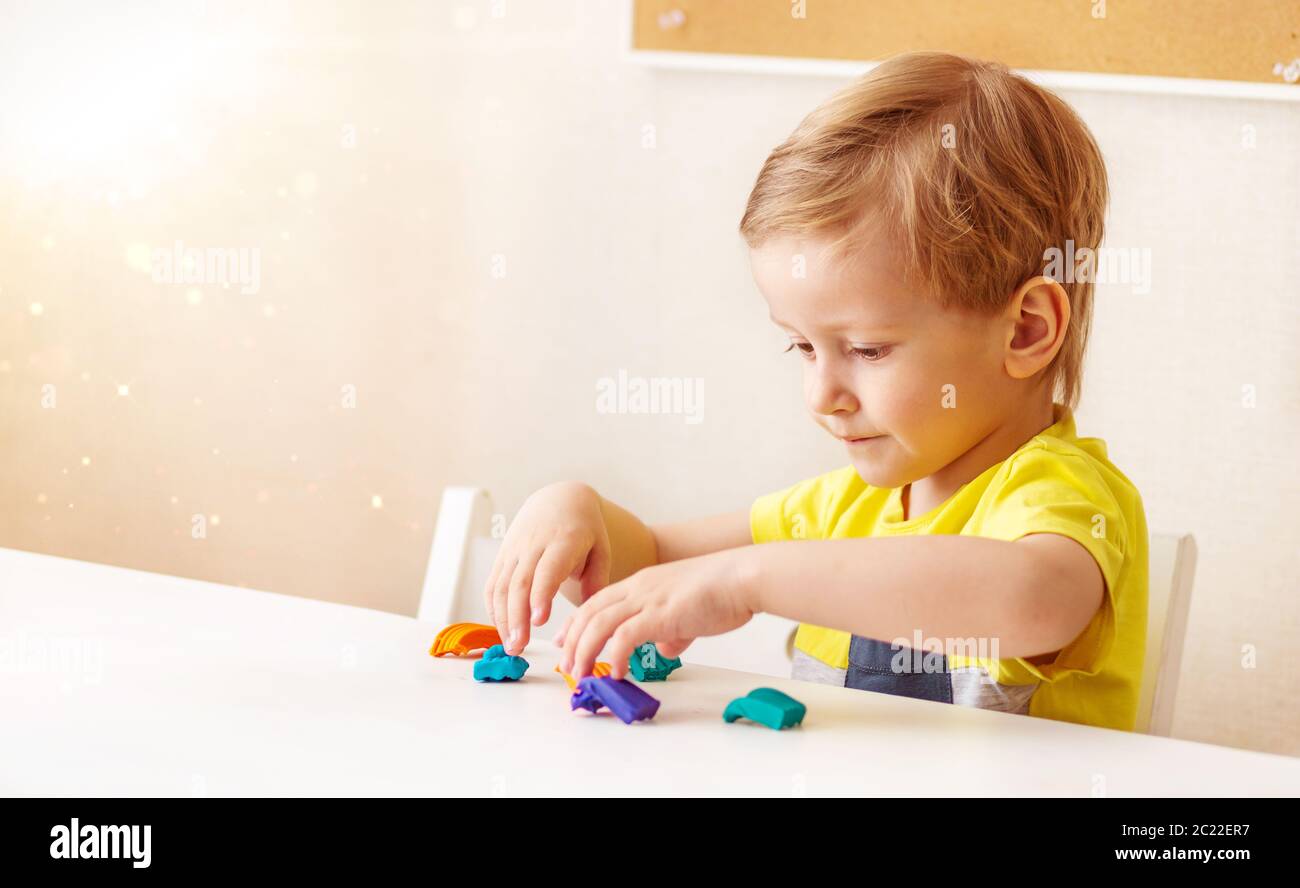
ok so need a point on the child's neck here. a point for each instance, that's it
(922, 496)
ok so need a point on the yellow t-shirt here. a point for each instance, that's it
(1057, 483)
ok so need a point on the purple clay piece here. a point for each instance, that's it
(621, 697)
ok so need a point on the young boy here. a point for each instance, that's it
(900, 236)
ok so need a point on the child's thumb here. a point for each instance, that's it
(672, 649)
(595, 574)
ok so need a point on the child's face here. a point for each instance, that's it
(880, 362)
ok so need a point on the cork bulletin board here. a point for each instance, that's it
(1186, 45)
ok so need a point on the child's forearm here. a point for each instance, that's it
(632, 544)
(701, 536)
(944, 586)
(635, 545)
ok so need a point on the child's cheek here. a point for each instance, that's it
(919, 408)
(910, 400)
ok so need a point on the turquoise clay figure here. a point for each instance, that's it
(647, 664)
(767, 706)
(497, 666)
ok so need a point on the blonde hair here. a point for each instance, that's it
(975, 172)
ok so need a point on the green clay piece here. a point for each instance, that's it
(767, 706)
(647, 664)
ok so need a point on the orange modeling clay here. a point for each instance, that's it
(600, 671)
(460, 639)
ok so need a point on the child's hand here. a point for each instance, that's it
(558, 534)
(670, 604)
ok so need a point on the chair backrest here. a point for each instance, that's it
(1172, 560)
(462, 534)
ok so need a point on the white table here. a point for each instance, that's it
(121, 682)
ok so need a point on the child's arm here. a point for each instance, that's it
(702, 536)
(568, 538)
(1034, 595)
(634, 545)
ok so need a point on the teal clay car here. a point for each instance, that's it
(767, 706)
(647, 664)
(496, 665)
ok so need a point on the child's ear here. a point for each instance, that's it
(1037, 320)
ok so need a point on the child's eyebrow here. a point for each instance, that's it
(855, 327)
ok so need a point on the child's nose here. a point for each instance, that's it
(827, 392)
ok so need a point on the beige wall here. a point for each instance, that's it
(386, 163)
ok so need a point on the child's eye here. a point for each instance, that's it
(805, 348)
(871, 352)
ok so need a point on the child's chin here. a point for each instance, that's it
(877, 475)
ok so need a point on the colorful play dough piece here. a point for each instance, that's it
(497, 665)
(767, 706)
(460, 639)
(647, 664)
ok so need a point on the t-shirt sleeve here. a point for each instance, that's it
(1046, 491)
(800, 512)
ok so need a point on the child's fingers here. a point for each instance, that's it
(500, 598)
(517, 607)
(595, 574)
(673, 648)
(559, 636)
(490, 587)
(557, 562)
(627, 636)
(597, 631)
(578, 620)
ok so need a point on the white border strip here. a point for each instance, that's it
(1080, 80)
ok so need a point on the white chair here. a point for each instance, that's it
(1172, 560)
(463, 549)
